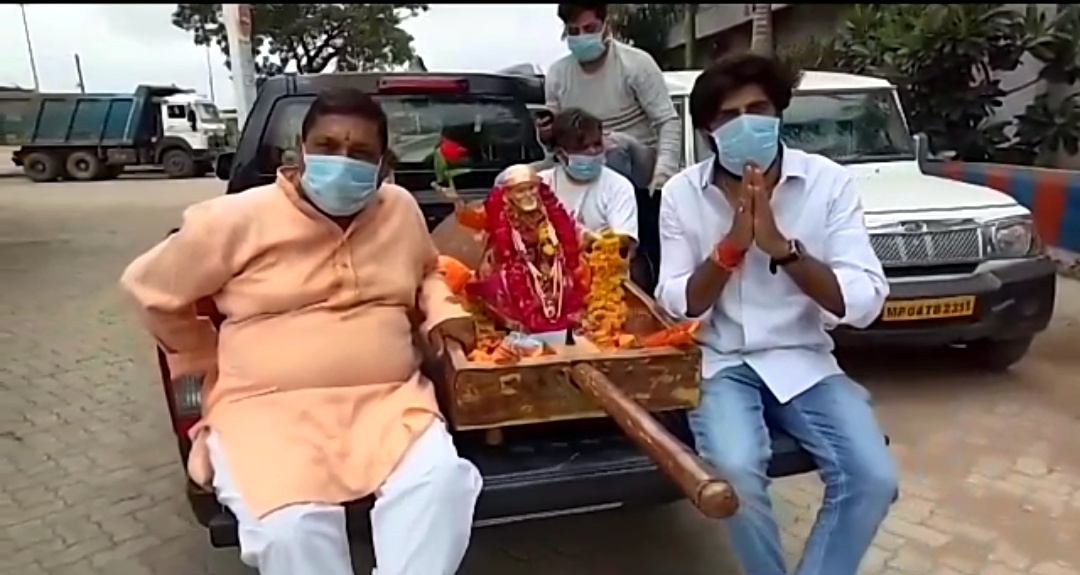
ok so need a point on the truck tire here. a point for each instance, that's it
(42, 167)
(178, 164)
(84, 166)
(998, 354)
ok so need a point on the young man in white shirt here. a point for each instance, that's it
(767, 246)
(594, 195)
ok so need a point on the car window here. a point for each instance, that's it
(176, 111)
(848, 127)
(493, 132)
(208, 112)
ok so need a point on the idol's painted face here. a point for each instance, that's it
(524, 197)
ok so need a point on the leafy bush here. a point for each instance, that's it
(645, 26)
(945, 59)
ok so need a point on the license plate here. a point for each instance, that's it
(916, 309)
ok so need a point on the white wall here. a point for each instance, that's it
(1028, 70)
(1014, 104)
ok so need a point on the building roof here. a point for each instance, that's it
(680, 83)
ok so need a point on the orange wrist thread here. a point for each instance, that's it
(728, 256)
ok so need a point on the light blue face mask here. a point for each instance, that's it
(337, 185)
(584, 167)
(586, 47)
(749, 138)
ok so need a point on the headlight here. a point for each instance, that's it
(1011, 238)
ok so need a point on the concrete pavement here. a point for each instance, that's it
(90, 482)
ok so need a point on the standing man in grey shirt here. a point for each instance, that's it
(623, 87)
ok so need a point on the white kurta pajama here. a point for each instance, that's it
(415, 523)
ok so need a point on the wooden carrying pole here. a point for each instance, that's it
(712, 495)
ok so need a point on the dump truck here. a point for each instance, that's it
(85, 137)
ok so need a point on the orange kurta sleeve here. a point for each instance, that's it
(166, 281)
(434, 298)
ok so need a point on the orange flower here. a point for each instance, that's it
(456, 274)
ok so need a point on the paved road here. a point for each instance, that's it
(89, 481)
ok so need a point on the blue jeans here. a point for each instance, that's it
(620, 159)
(834, 422)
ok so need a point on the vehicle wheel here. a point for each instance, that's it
(84, 166)
(42, 167)
(178, 164)
(998, 354)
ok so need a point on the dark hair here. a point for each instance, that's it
(571, 124)
(346, 102)
(568, 12)
(731, 73)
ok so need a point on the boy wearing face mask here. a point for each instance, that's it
(594, 195)
(622, 86)
(312, 394)
(767, 245)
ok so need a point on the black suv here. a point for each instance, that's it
(540, 470)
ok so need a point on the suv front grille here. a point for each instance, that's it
(932, 247)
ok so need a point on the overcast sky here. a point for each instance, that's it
(122, 46)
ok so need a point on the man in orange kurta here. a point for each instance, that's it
(314, 396)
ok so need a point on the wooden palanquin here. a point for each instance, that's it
(582, 381)
(536, 390)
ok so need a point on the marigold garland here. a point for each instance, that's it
(606, 307)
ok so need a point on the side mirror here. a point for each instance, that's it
(922, 147)
(223, 165)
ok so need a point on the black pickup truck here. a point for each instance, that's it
(541, 470)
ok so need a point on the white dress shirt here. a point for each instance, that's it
(762, 319)
(606, 202)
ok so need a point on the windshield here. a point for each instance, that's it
(207, 112)
(495, 132)
(846, 127)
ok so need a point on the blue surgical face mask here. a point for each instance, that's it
(584, 167)
(337, 185)
(745, 139)
(586, 47)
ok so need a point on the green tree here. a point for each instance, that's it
(310, 37)
(945, 60)
(645, 26)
